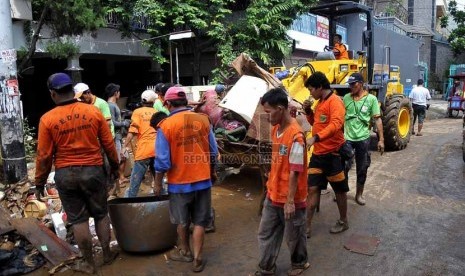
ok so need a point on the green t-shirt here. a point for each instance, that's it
(358, 116)
(105, 109)
(158, 105)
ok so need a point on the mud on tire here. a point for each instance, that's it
(397, 122)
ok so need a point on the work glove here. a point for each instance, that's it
(38, 190)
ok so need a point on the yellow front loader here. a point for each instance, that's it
(382, 80)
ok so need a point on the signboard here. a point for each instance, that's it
(305, 23)
(8, 56)
(322, 27)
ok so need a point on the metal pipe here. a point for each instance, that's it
(171, 63)
(177, 66)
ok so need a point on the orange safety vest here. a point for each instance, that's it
(278, 181)
(187, 134)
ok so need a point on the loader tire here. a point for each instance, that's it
(397, 122)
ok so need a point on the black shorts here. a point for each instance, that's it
(82, 192)
(327, 168)
(420, 112)
(191, 207)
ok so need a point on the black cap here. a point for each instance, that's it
(355, 77)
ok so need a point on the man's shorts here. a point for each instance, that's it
(191, 207)
(82, 192)
(420, 111)
(327, 168)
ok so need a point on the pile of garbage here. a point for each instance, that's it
(238, 116)
(34, 232)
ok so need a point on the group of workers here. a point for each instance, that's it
(340, 129)
(81, 132)
(174, 141)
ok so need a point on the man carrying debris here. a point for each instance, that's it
(325, 164)
(186, 151)
(284, 211)
(71, 136)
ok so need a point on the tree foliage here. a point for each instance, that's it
(256, 27)
(65, 18)
(71, 17)
(457, 36)
(228, 27)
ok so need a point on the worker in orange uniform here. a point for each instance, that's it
(284, 211)
(144, 155)
(186, 151)
(339, 49)
(327, 122)
(71, 136)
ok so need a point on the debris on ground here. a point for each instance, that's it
(362, 244)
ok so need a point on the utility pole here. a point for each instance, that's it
(11, 123)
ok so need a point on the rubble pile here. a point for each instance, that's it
(15, 198)
(32, 231)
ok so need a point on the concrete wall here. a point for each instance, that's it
(424, 13)
(108, 41)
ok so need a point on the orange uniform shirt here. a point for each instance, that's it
(340, 51)
(278, 180)
(140, 125)
(72, 134)
(187, 133)
(327, 122)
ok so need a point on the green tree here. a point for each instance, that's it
(457, 36)
(231, 27)
(65, 18)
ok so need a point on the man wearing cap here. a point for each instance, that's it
(113, 93)
(219, 89)
(186, 151)
(83, 93)
(361, 107)
(145, 151)
(70, 137)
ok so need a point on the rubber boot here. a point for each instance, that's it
(359, 195)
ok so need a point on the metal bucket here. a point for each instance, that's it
(142, 224)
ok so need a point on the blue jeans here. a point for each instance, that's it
(137, 175)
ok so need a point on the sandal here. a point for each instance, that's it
(339, 227)
(419, 134)
(179, 255)
(262, 272)
(198, 266)
(297, 270)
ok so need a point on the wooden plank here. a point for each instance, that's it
(5, 225)
(49, 245)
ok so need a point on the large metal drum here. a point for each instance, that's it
(142, 224)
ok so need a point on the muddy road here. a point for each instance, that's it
(415, 206)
